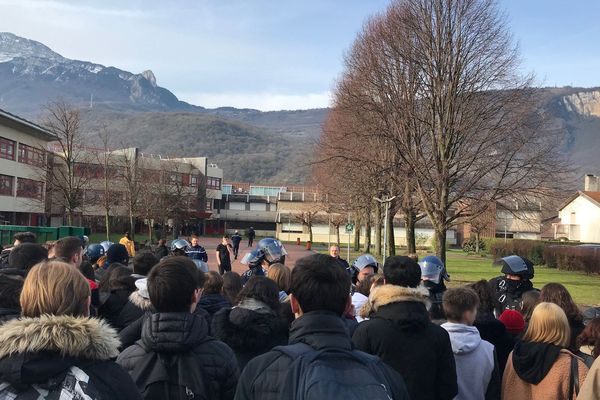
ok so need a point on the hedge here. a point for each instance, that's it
(566, 257)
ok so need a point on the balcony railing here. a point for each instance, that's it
(569, 231)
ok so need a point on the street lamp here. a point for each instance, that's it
(386, 200)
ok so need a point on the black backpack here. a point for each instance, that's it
(171, 376)
(333, 374)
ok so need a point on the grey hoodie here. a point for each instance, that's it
(476, 366)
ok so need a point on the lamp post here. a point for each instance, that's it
(386, 200)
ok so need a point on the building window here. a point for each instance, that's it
(6, 185)
(7, 149)
(209, 205)
(29, 188)
(213, 183)
(193, 180)
(31, 155)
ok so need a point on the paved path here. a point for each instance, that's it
(210, 244)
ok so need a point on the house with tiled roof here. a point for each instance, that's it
(579, 216)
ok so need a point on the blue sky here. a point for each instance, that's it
(275, 54)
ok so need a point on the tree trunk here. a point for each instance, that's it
(310, 233)
(70, 218)
(368, 235)
(107, 223)
(378, 229)
(357, 229)
(440, 244)
(131, 224)
(337, 234)
(409, 226)
(477, 242)
(391, 240)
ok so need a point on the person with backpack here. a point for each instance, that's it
(476, 362)
(400, 332)
(176, 358)
(541, 366)
(319, 362)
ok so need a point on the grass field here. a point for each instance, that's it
(464, 269)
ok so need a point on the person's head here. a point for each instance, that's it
(402, 271)
(591, 337)
(26, 255)
(87, 270)
(195, 241)
(281, 275)
(213, 284)
(232, 285)
(127, 235)
(365, 265)
(364, 286)
(548, 324)
(487, 301)
(516, 268)
(143, 263)
(162, 242)
(413, 256)
(529, 300)
(237, 232)
(70, 249)
(49, 245)
(513, 321)
(262, 289)
(175, 285)
(55, 288)
(117, 253)
(319, 283)
(378, 280)
(559, 295)
(115, 278)
(10, 290)
(225, 239)
(460, 305)
(334, 251)
(24, 237)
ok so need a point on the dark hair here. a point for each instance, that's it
(320, 283)
(67, 247)
(487, 300)
(143, 263)
(226, 236)
(172, 283)
(113, 278)
(26, 255)
(402, 271)
(262, 289)
(591, 337)
(529, 300)
(10, 291)
(364, 286)
(457, 301)
(87, 270)
(214, 283)
(232, 285)
(559, 295)
(25, 237)
(162, 242)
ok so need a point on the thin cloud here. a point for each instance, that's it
(73, 8)
(259, 101)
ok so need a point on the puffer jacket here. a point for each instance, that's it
(400, 332)
(539, 371)
(265, 375)
(136, 306)
(111, 306)
(69, 357)
(175, 333)
(212, 303)
(250, 330)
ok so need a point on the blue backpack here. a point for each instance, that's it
(333, 374)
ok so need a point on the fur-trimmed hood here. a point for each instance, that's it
(78, 337)
(389, 294)
(140, 301)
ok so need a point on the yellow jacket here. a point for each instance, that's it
(128, 245)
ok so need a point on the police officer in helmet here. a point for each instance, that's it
(433, 275)
(509, 289)
(268, 251)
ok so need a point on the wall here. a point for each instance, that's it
(587, 217)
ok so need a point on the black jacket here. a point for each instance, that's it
(264, 376)
(174, 333)
(249, 333)
(494, 331)
(62, 354)
(133, 310)
(161, 251)
(8, 314)
(212, 303)
(401, 333)
(111, 306)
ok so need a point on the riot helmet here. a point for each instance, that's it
(106, 244)
(268, 249)
(433, 269)
(94, 251)
(516, 265)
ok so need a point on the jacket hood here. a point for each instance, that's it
(532, 361)
(213, 302)
(247, 330)
(173, 332)
(140, 301)
(464, 339)
(388, 294)
(77, 337)
(321, 329)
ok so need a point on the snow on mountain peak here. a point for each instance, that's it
(13, 46)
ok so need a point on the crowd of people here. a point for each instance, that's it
(107, 321)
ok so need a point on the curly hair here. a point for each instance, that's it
(591, 337)
(559, 295)
(487, 301)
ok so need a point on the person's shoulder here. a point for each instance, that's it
(132, 352)
(214, 347)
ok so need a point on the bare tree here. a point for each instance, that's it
(441, 79)
(104, 158)
(129, 171)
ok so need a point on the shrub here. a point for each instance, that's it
(470, 245)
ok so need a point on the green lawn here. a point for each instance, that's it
(464, 269)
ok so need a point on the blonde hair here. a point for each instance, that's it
(281, 275)
(548, 324)
(56, 288)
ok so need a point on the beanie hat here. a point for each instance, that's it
(513, 321)
(117, 253)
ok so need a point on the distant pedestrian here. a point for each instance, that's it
(195, 251)
(236, 238)
(223, 256)
(161, 250)
(334, 251)
(251, 235)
